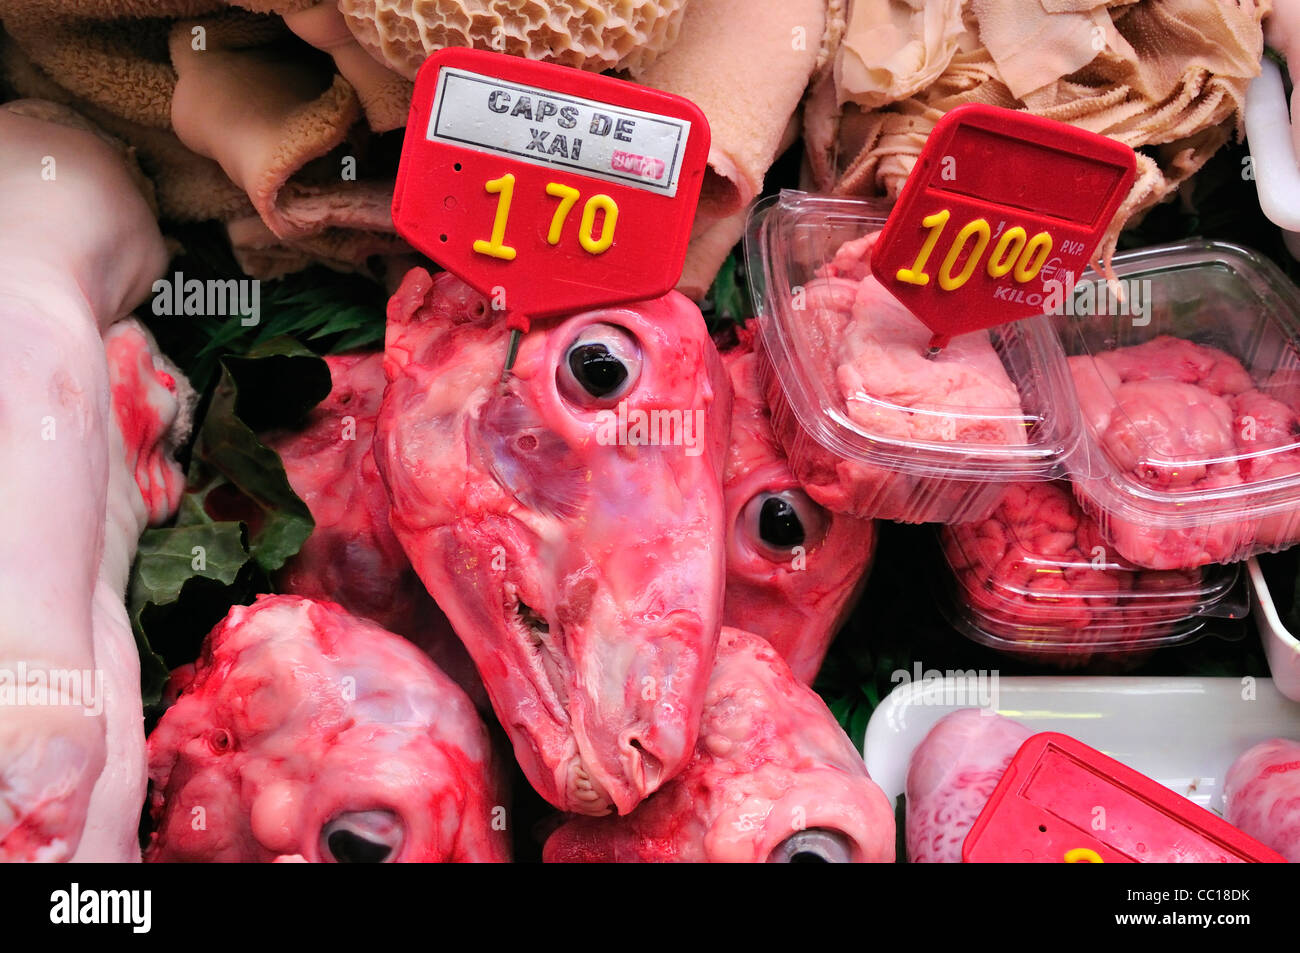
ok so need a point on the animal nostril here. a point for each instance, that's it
(652, 768)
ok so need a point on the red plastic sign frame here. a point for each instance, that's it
(1000, 204)
(1062, 801)
(549, 189)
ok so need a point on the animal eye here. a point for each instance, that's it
(601, 365)
(362, 837)
(776, 522)
(816, 846)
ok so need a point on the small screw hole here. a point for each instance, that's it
(442, 238)
(1042, 828)
(456, 167)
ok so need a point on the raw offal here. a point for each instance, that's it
(152, 413)
(266, 117)
(79, 250)
(305, 732)
(774, 777)
(384, 95)
(746, 64)
(890, 390)
(1261, 795)
(352, 556)
(153, 406)
(582, 565)
(952, 776)
(1170, 76)
(1039, 571)
(794, 569)
(1176, 417)
(597, 35)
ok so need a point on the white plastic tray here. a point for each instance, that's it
(1272, 150)
(1183, 732)
(1281, 647)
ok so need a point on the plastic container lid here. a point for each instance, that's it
(1191, 403)
(870, 425)
(1037, 579)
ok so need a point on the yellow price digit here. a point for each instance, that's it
(1035, 255)
(598, 203)
(1083, 855)
(567, 195)
(496, 247)
(1007, 251)
(916, 274)
(981, 230)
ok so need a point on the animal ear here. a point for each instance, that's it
(425, 308)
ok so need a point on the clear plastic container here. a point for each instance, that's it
(1191, 449)
(1037, 580)
(871, 426)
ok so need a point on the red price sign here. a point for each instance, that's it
(1061, 801)
(549, 189)
(1001, 203)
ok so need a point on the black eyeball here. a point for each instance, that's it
(776, 522)
(817, 846)
(601, 365)
(362, 837)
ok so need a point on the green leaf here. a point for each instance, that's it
(275, 385)
(730, 291)
(165, 574)
(333, 312)
(169, 557)
(239, 519)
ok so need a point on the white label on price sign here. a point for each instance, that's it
(559, 130)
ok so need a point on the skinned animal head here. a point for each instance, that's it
(568, 521)
(794, 568)
(305, 732)
(774, 779)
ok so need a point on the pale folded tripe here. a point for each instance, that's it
(1165, 74)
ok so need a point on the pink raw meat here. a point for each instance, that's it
(1261, 795)
(890, 389)
(352, 556)
(794, 569)
(1267, 432)
(1179, 417)
(1171, 435)
(152, 404)
(305, 732)
(1038, 571)
(951, 777)
(79, 251)
(1167, 358)
(774, 777)
(582, 564)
